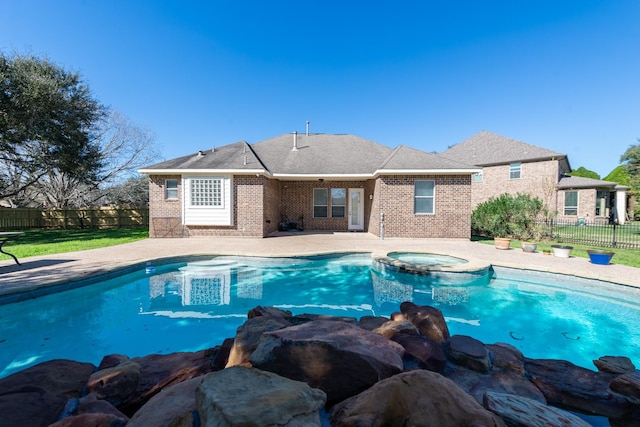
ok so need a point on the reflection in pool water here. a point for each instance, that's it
(188, 307)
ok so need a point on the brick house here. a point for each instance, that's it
(511, 166)
(311, 182)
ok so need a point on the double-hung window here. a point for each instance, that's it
(424, 196)
(338, 202)
(171, 189)
(206, 192)
(320, 202)
(515, 170)
(571, 203)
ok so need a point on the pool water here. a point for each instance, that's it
(194, 306)
(427, 258)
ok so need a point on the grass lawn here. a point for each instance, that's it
(630, 257)
(55, 241)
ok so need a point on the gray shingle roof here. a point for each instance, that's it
(315, 154)
(321, 154)
(567, 182)
(486, 148)
(236, 156)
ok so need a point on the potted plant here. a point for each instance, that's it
(599, 256)
(562, 251)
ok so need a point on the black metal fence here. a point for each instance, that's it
(625, 236)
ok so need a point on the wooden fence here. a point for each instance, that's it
(106, 217)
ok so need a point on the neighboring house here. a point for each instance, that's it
(315, 182)
(511, 166)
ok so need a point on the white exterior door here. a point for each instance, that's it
(356, 209)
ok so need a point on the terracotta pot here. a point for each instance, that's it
(502, 242)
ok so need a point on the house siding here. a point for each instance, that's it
(394, 197)
(537, 179)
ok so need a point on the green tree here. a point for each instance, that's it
(619, 175)
(584, 172)
(631, 163)
(47, 124)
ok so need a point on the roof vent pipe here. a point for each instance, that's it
(307, 127)
(295, 141)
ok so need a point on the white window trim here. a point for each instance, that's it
(166, 189)
(515, 167)
(433, 211)
(477, 177)
(564, 209)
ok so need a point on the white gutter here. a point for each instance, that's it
(203, 171)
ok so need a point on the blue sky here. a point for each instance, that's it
(564, 75)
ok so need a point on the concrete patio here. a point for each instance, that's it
(36, 274)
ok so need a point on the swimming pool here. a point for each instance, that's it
(192, 306)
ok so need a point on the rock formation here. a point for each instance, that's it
(300, 370)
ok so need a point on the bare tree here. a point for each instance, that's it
(124, 148)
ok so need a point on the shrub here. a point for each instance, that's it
(519, 217)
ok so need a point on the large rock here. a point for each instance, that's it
(96, 419)
(628, 385)
(37, 395)
(240, 396)
(337, 357)
(248, 336)
(429, 321)
(517, 411)
(115, 384)
(469, 352)
(508, 383)
(392, 327)
(372, 322)
(502, 381)
(428, 353)
(416, 398)
(174, 406)
(90, 404)
(569, 386)
(614, 364)
(268, 312)
(160, 371)
(506, 357)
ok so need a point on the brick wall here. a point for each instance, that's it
(394, 197)
(538, 179)
(165, 216)
(272, 205)
(260, 203)
(297, 202)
